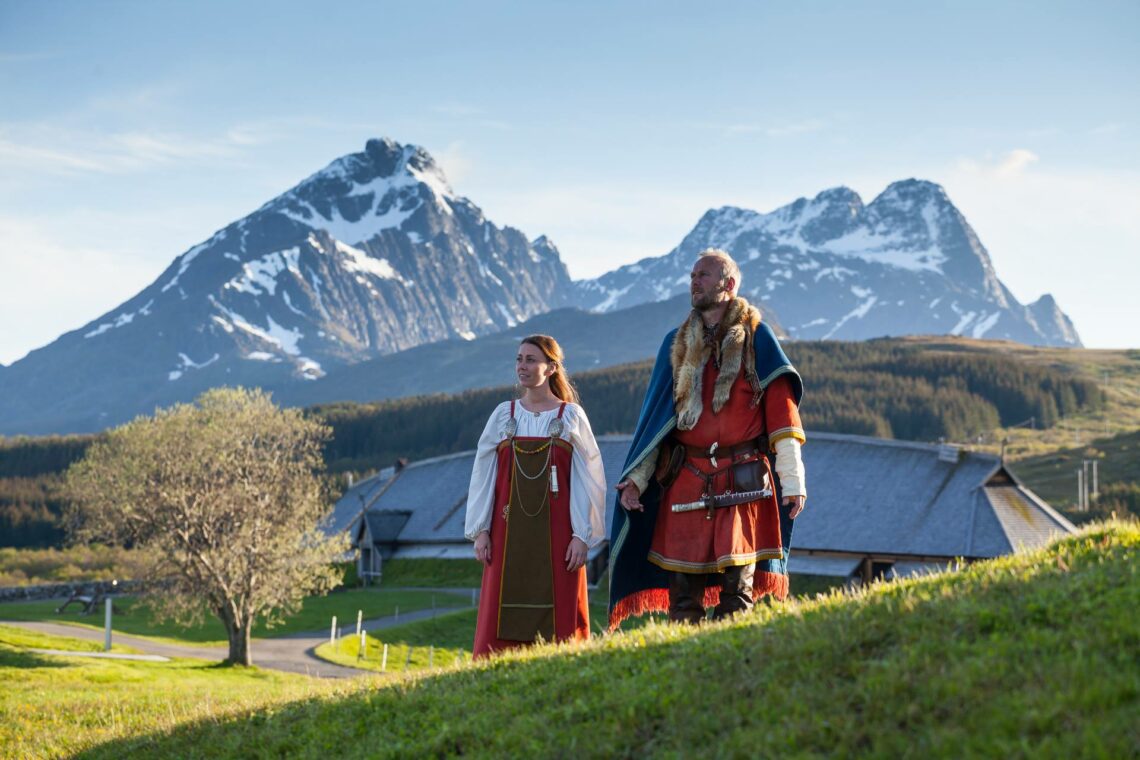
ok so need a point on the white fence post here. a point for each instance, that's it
(332, 632)
(384, 660)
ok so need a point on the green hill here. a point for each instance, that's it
(1025, 656)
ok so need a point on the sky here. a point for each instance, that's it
(130, 131)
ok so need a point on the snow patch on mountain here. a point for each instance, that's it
(123, 319)
(260, 275)
(356, 260)
(186, 363)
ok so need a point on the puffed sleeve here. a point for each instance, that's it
(481, 491)
(587, 480)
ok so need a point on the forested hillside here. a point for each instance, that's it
(883, 388)
(926, 390)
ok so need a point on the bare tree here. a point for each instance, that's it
(223, 498)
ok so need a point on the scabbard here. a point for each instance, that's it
(722, 501)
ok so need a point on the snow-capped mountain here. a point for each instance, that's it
(371, 255)
(832, 267)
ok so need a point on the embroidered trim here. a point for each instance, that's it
(785, 432)
(727, 560)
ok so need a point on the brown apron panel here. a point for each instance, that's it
(526, 602)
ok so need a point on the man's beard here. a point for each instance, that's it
(705, 301)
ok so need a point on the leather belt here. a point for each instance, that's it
(731, 453)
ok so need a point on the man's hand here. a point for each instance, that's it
(575, 554)
(797, 503)
(630, 496)
(483, 548)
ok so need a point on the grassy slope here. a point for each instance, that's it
(132, 618)
(56, 706)
(1053, 475)
(1023, 656)
(1046, 460)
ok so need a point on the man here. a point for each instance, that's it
(703, 520)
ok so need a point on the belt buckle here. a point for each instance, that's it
(712, 453)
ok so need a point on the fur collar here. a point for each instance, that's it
(734, 346)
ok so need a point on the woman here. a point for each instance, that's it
(534, 508)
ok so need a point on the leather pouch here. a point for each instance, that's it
(750, 476)
(670, 460)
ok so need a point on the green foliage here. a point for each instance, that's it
(27, 457)
(433, 573)
(30, 510)
(1025, 656)
(90, 562)
(222, 500)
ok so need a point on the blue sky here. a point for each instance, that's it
(130, 131)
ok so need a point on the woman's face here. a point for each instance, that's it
(532, 367)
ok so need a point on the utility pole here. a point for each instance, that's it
(1096, 487)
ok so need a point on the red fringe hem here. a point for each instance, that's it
(657, 599)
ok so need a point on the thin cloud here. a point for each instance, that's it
(1009, 165)
(457, 165)
(67, 152)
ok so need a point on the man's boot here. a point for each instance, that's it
(735, 592)
(686, 597)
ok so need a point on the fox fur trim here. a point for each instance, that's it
(733, 345)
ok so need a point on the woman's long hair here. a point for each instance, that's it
(560, 384)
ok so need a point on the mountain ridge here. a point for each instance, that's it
(375, 254)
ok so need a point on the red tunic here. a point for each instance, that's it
(688, 542)
(571, 607)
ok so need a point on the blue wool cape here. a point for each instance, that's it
(631, 533)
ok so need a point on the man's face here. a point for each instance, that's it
(707, 284)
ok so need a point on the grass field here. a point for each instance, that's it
(57, 706)
(1025, 656)
(133, 618)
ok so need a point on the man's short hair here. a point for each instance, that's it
(728, 265)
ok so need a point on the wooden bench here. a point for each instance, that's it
(90, 597)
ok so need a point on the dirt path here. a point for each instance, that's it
(291, 654)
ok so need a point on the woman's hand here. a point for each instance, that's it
(483, 547)
(575, 554)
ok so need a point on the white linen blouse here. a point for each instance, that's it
(587, 477)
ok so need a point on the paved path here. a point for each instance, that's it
(292, 653)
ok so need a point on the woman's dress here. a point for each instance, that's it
(536, 483)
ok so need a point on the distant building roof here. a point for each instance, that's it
(899, 498)
(867, 496)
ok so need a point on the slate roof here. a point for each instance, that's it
(876, 496)
(865, 496)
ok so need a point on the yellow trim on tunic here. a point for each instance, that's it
(727, 560)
